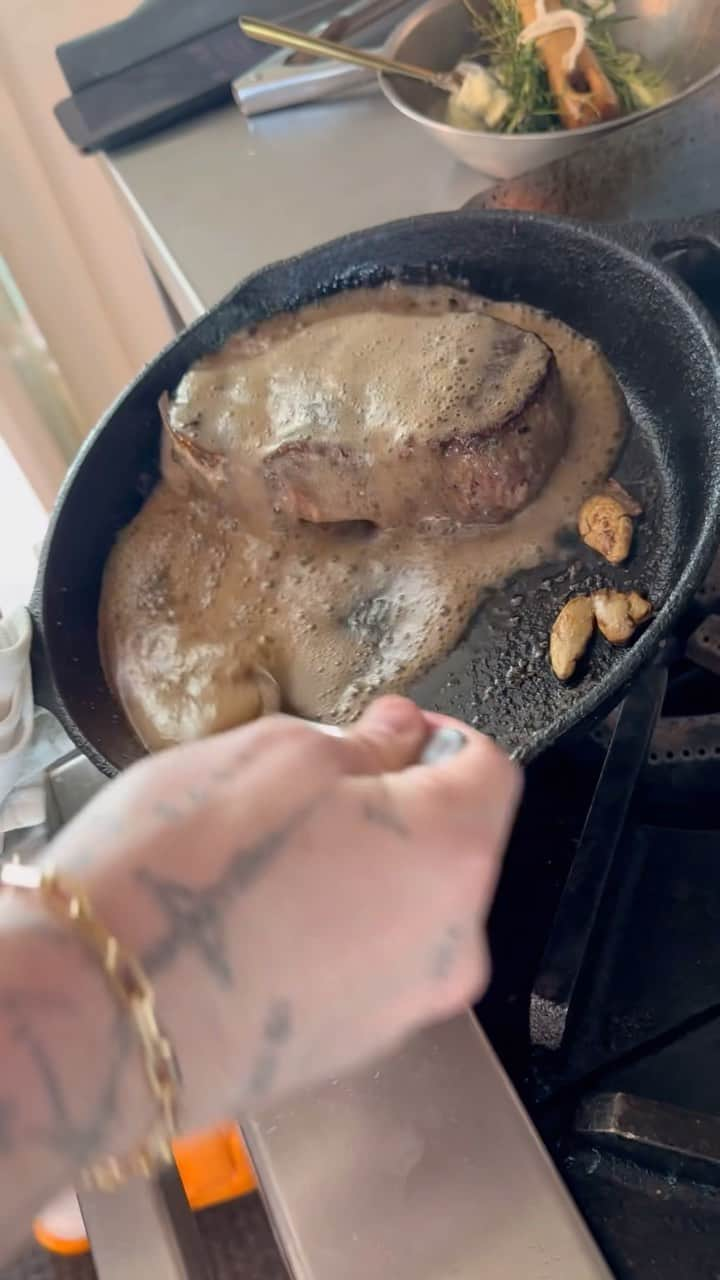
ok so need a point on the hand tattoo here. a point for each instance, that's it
(445, 953)
(278, 1029)
(379, 810)
(196, 916)
(62, 1134)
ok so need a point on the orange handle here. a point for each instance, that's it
(213, 1167)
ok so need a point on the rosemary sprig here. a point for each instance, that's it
(521, 71)
(517, 67)
(637, 84)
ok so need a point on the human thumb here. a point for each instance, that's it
(389, 735)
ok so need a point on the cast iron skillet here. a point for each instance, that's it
(606, 283)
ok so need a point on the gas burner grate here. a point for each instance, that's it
(608, 1017)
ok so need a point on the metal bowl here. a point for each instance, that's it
(679, 37)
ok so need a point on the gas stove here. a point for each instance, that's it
(605, 1007)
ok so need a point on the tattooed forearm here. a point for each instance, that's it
(81, 1140)
(26, 1022)
(195, 916)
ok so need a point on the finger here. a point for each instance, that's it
(474, 793)
(389, 736)
(483, 751)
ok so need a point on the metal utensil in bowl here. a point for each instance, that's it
(288, 79)
(271, 33)
(274, 88)
(468, 83)
(679, 37)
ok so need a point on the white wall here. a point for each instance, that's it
(22, 525)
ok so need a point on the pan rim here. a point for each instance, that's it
(620, 239)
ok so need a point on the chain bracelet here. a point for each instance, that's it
(134, 991)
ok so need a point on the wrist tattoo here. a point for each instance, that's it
(24, 1014)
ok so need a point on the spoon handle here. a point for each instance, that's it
(443, 743)
(268, 32)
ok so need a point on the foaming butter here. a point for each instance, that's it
(195, 599)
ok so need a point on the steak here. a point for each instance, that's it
(388, 417)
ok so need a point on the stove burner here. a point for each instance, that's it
(672, 1140)
(567, 950)
(608, 1019)
(703, 647)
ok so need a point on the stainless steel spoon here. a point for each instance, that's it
(441, 744)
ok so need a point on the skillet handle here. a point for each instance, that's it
(44, 692)
(668, 240)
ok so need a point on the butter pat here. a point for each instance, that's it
(478, 100)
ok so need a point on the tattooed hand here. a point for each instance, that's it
(301, 902)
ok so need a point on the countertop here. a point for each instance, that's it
(215, 199)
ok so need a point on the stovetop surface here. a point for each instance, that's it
(605, 1005)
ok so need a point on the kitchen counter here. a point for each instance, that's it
(217, 198)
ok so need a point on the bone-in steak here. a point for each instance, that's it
(389, 417)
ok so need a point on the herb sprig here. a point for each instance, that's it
(521, 71)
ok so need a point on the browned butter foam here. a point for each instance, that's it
(192, 601)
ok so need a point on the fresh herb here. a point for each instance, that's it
(518, 67)
(521, 71)
(637, 84)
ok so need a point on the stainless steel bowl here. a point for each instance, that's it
(679, 37)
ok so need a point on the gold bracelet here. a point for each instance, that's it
(130, 984)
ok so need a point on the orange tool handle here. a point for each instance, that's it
(213, 1167)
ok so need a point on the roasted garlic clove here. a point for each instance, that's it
(630, 505)
(620, 613)
(604, 525)
(570, 636)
